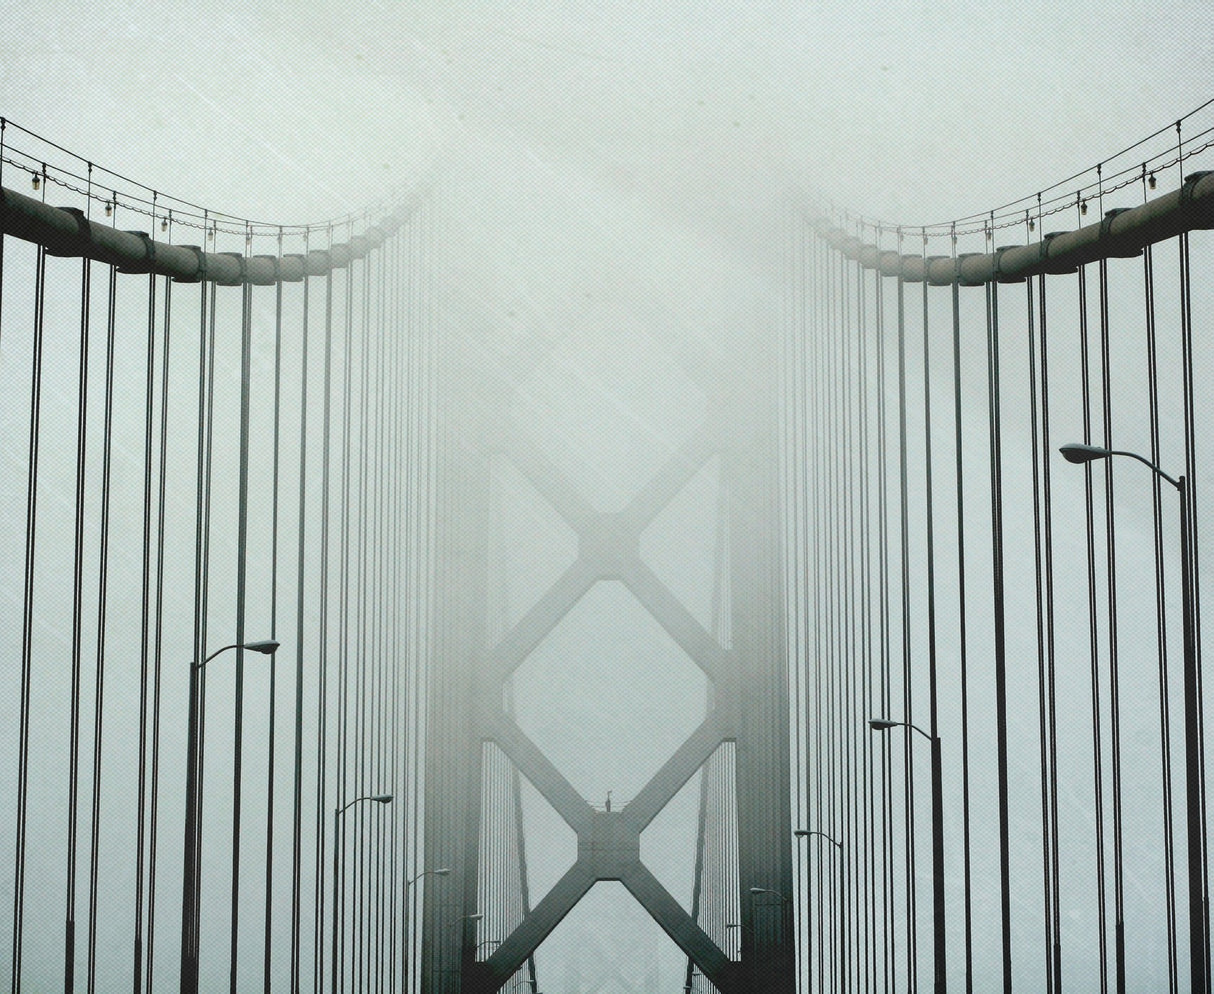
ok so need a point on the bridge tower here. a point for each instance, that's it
(746, 669)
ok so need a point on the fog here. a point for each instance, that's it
(608, 179)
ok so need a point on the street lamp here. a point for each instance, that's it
(193, 816)
(766, 890)
(1199, 927)
(804, 833)
(884, 725)
(337, 813)
(442, 871)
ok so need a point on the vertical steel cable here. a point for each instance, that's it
(1114, 673)
(270, 731)
(73, 817)
(158, 636)
(790, 533)
(962, 640)
(803, 494)
(1161, 623)
(938, 909)
(344, 637)
(380, 331)
(908, 757)
(242, 571)
(102, 617)
(1051, 653)
(1093, 635)
(212, 301)
(145, 633)
(363, 733)
(194, 739)
(828, 961)
(995, 415)
(401, 653)
(1044, 613)
(1186, 338)
(27, 621)
(415, 562)
(862, 845)
(888, 913)
(301, 560)
(850, 706)
(322, 730)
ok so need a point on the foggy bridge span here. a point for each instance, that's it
(357, 635)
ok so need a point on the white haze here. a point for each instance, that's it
(603, 163)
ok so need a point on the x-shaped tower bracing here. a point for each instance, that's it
(749, 698)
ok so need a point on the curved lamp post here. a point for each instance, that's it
(1199, 902)
(337, 813)
(768, 890)
(884, 725)
(193, 804)
(805, 833)
(442, 871)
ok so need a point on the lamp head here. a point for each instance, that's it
(800, 833)
(1081, 452)
(443, 871)
(383, 798)
(475, 918)
(267, 647)
(882, 724)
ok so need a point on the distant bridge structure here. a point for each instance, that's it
(279, 659)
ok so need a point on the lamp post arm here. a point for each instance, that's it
(225, 648)
(380, 798)
(930, 738)
(832, 841)
(1150, 465)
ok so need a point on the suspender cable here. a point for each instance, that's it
(1114, 675)
(908, 762)
(145, 633)
(850, 728)
(962, 640)
(270, 731)
(27, 621)
(102, 594)
(73, 817)
(996, 455)
(322, 729)
(1051, 655)
(197, 691)
(242, 576)
(158, 636)
(887, 800)
(862, 845)
(1199, 911)
(938, 908)
(1161, 623)
(301, 562)
(1043, 608)
(1093, 630)
(344, 637)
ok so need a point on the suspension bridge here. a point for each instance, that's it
(353, 642)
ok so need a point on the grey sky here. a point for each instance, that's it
(636, 153)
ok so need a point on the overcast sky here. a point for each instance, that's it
(586, 145)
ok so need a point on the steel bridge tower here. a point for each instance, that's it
(747, 672)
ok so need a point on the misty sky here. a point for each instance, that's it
(603, 163)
